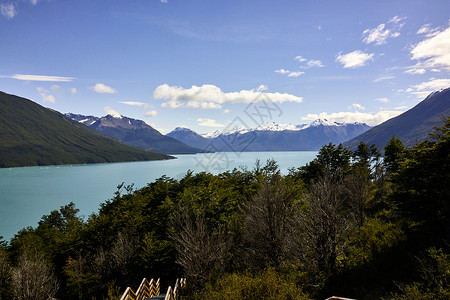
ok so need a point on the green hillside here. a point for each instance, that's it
(32, 135)
(412, 126)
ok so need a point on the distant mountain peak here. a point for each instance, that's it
(135, 132)
(215, 134)
(324, 122)
(181, 129)
(109, 116)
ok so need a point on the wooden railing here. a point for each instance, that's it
(151, 289)
(146, 290)
(172, 294)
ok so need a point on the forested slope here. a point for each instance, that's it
(32, 135)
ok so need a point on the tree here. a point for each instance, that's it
(356, 188)
(5, 271)
(80, 278)
(332, 161)
(394, 153)
(33, 278)
(200, 248)
(422, 183)
(123, 252)
(325, 223)
(268, 223)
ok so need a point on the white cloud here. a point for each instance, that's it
(382, 32)
(401, 107)
(210, 96)
(73, 91)
(289, 73)
(351, 117)
(356, 106)
(314, 63)
(433, 84)
(305, 64)
(383, 78)
(226, 111)
(208, 123)
(295, 74)
(300, 58)
(354, 59)
(133, 103)
(282, 71)
(377, 35)
(203, 105)
(151, 113)
(45, 94)
(415, 71)
(112, 112)
(103, 89)
(424, 29)
(262, 88)
(142, 105)
(164, 1)
(428, 31)
(421, 95)
(383, 100)
(8, 10)
(34, 2)
(396, 19)
(311, 63)
(48, 98)
(41, 78)
(433, 52)
(423, 89)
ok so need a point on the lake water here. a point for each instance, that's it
(26, 194)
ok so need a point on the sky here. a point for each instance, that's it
(217, 64)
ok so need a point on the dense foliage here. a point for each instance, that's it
(349, 223)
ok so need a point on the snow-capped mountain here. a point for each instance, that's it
(272, 126)
(134, 132)
(273, 136)
(86, 120)
(324, 122)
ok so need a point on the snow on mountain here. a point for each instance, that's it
(324, 122)
(134, 132)
(212, 134)
(272, 126)
(272, 136)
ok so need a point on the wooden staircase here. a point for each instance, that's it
(150, 290)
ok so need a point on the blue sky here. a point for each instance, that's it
(207, 64)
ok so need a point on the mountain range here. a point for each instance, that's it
(412, 126)
(134, 132)
(273, 136)
(32, 135)
(266, 137)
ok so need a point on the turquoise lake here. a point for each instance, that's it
(29, 193)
